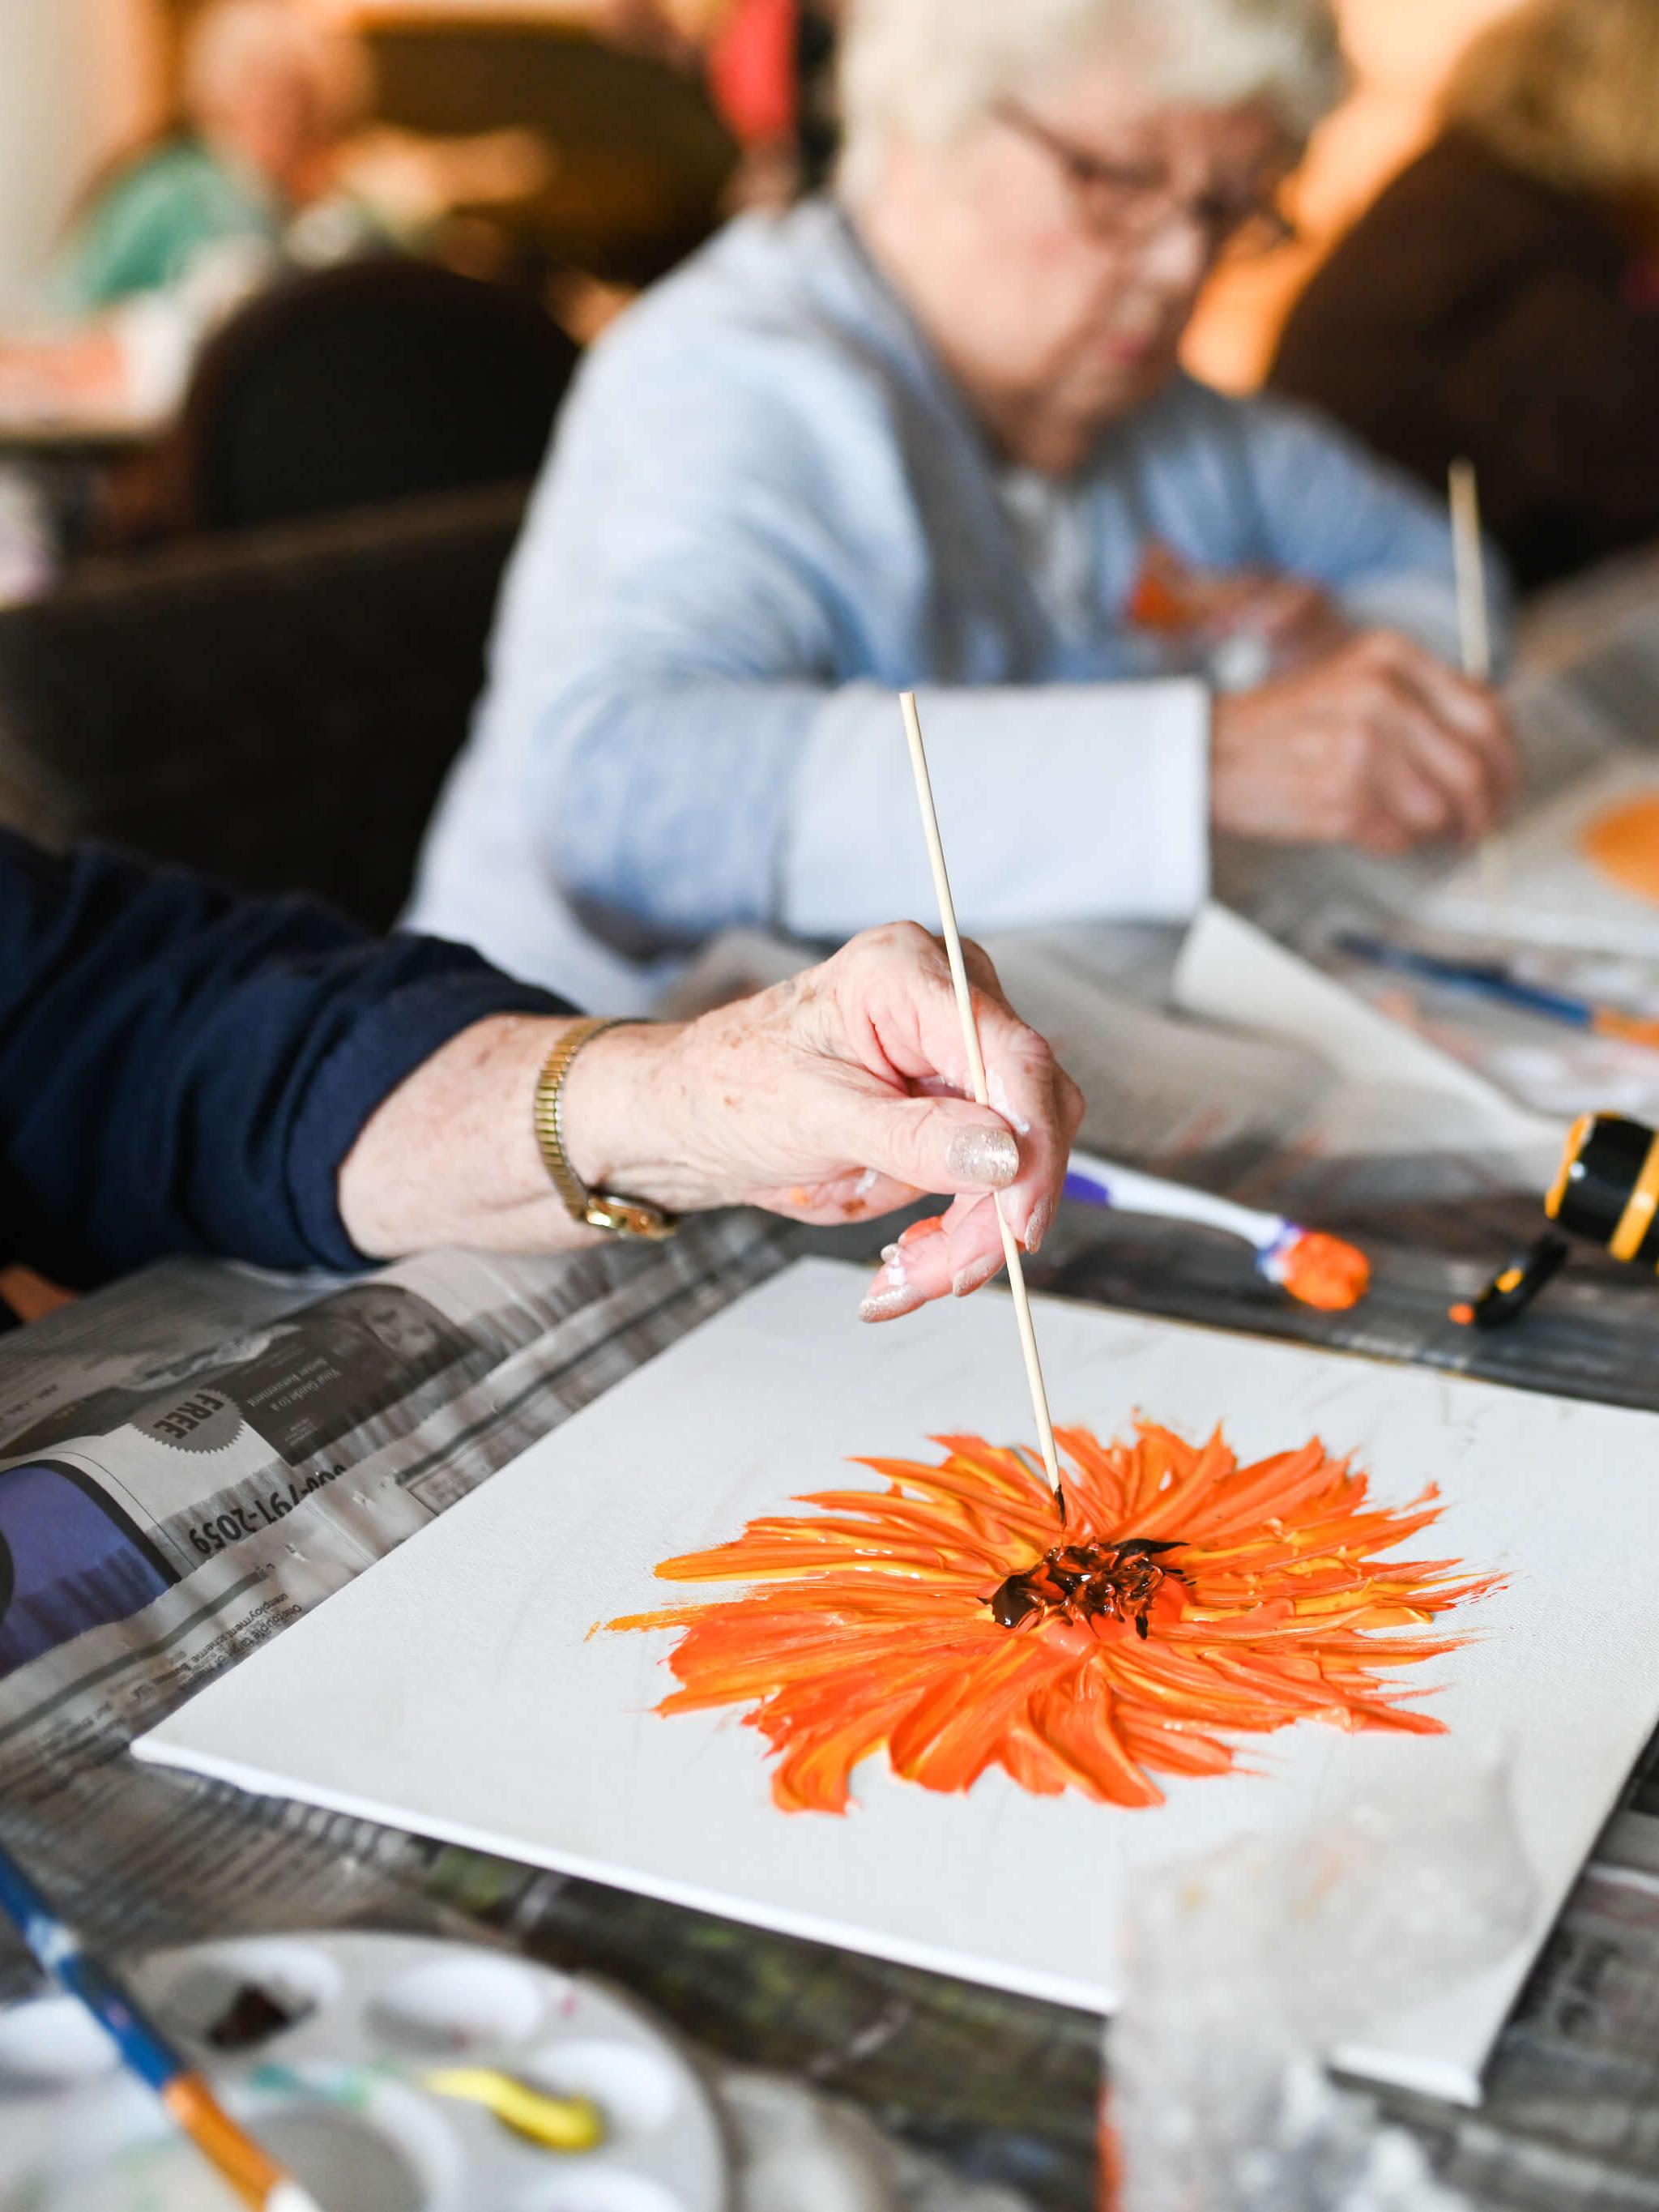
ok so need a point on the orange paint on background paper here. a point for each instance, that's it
(868, 1626)
(1623, 844)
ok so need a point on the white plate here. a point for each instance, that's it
(337, 2094)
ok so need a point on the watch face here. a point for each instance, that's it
(628, 1217)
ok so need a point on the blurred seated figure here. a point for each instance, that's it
(932, 431)
(268, 170)
(269, 96)
(1500, 298)
(175, 237)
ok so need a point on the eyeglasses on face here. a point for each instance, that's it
(1129, 203)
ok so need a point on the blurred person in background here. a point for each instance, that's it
(1500, 298)
(173, 236)
(270, 96)
(934, 430)
(269, 168)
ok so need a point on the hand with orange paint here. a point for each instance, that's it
(841, 1095)
(1291, 619)
(836, 1097)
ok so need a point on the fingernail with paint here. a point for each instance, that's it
(1041, 1220)
(975, 1278)
(988, 1159)
(892, 1293)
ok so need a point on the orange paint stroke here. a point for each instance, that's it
(1163, 597)
(1623, 844)
(869, 1623)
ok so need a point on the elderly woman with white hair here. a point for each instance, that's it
(932, 431)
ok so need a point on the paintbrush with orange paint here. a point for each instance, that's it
(1316, 1268)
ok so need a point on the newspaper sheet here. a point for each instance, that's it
(191, 1460)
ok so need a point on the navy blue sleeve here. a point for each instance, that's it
(184, 1070)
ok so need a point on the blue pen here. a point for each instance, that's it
(1487, 979)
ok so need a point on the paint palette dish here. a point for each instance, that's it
(323, 2046)
(1581, 870)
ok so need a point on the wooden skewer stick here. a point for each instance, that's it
(947, 915)
(1469, 562)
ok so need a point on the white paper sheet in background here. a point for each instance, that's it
(1548, 893)
(454, 1688)
(1397, 1093)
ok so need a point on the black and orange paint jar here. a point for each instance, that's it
(1607, 1189)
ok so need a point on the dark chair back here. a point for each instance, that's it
(278, 708)
(378, 380)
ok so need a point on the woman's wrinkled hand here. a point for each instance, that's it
(1377, 744)
(836, 1097)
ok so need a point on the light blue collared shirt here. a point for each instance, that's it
(766, 511)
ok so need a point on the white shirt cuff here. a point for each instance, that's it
(1056, 803)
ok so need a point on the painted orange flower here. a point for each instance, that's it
(954, 1618)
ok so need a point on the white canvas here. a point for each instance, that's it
(1542, 890)
(454, 1688)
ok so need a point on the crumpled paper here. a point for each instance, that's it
(795, 2149)
(1246, 1967)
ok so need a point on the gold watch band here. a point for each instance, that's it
(597, 1209)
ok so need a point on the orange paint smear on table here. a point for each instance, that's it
(954, 1621)
(1623, 845)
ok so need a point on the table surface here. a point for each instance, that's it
(1007, 2088)
(95, 430)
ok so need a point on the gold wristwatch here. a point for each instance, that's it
(597, 1209)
